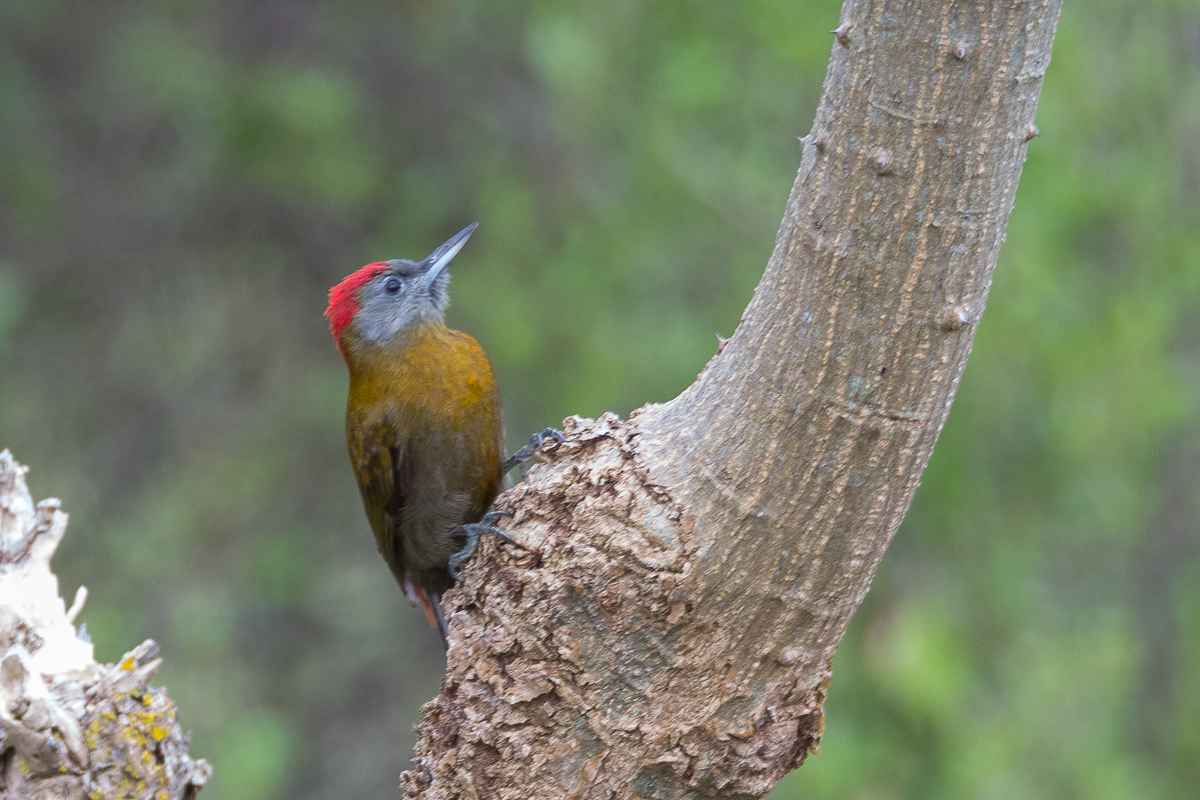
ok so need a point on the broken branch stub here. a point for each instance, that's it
(71, 728)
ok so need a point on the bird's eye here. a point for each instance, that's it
(391, 285)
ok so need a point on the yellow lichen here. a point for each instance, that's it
(92, 734)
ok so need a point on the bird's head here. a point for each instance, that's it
(381, 299)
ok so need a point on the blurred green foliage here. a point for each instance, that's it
(181, 182)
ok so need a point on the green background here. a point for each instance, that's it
(181, 182)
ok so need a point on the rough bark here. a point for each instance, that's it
(71, 728)
(688, 574)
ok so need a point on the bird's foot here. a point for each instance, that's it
(533, 450)
(474, 531)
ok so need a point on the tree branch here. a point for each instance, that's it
(689, 573)
(71, 728)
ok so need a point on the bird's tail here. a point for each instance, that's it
(431, 604)
(438, 617)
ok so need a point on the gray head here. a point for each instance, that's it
(406, 292)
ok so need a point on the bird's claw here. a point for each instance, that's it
(474, 530)
(533, 450)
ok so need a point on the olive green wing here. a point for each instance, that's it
(383, 468)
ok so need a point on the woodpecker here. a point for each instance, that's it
(423, 421)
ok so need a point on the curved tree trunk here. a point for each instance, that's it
(668, 631)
